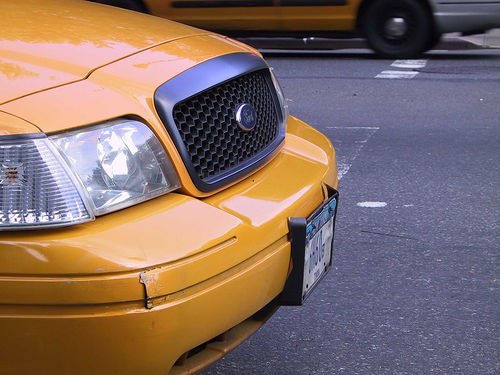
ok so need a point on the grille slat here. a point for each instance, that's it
(208, 128)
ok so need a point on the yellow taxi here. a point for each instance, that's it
(157, 202)
(392, 28)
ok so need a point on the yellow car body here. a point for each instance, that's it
(169, 284)
(261, 15)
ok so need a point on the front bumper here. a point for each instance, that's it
(135, 290)
(127, 338)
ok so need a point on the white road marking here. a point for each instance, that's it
(347, 148)
(371, 204)
(354, 127)
(396, 74)
(342, 169)
(409, 64)
(403, 74)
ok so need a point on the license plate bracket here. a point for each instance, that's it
(312, 247)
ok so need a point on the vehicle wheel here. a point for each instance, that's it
(397, 28)
(135, 5)
(433, 41)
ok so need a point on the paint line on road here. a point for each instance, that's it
(371, 204)
(396, 74)
(409, 64)
(354, 127)
(349, 141)
(403, 74)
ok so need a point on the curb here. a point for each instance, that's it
(484, 40)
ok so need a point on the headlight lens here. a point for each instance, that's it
(36, 189)
(120, 164)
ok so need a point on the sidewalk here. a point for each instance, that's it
(489, 40)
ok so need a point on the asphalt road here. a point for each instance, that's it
(414, 288)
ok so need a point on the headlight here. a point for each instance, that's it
(71, 177)
(120, 164)
(281, 96)
(36, 188)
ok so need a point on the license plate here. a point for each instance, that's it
(319, 245)
(312, 247)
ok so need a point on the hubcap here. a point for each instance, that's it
(395, 27)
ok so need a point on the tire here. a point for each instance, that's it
(135, 5)
(397, 28)
(433, 41)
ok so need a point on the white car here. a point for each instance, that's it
(404, 28)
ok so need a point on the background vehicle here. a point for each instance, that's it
(392, 28)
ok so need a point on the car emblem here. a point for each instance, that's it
(246, 117)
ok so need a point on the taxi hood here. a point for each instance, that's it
(78, 38)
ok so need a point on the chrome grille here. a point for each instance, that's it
(207, 126)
